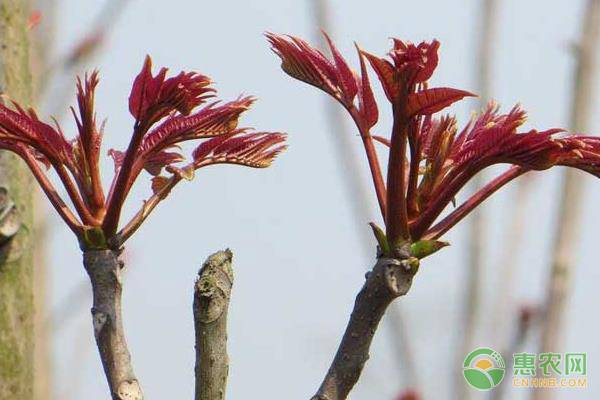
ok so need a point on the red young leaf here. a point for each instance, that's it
(416, 63)
(306, 63)
(155, 163)
(256, 150)
(154, 97)
(344, 74)
(118, 157)
(159, 183)
(366, 100)
(303, 62)
(24, 127)
(430, 101)
(212, 120)
(386, 74)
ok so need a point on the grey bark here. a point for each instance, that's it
(212, 292)
(390, 278)
(105, 271)
(16, 224)
(566, 238)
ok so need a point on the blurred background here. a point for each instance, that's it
(299, 230)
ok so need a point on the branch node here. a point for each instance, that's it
(99, 320)
(10, 220)
(130, 390)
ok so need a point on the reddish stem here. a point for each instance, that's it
(74, 195)
(449, 187)
(373, 160)
(57, 202)
(397, 219)
(121, 187)
(415, 160)
(97, 190)
(145, 211)
(455, 216)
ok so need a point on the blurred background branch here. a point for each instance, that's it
(43, 36)
(526, 319)
(565, 247)
(476, 227)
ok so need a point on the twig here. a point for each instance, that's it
(105, 271)
(564, 248)
(212, 292)
(357, 193)
(389, 279)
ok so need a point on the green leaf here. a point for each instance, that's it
(424, 248)
(384, 246)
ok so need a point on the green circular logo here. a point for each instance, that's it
(483, 368)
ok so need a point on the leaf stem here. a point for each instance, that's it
(397, 217)
(373, 160)
(481, 195)
(57, 202)
(121, 186)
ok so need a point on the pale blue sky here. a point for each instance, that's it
(298, 261)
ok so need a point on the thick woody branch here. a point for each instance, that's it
(212, 292)
(105, 271)
(390, 278)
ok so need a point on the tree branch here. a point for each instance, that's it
(212, 292)
(105, 271)
(390, 278)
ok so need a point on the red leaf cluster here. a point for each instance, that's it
(429, 161)
(154, 97)
(164, 111)
(308, 64)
